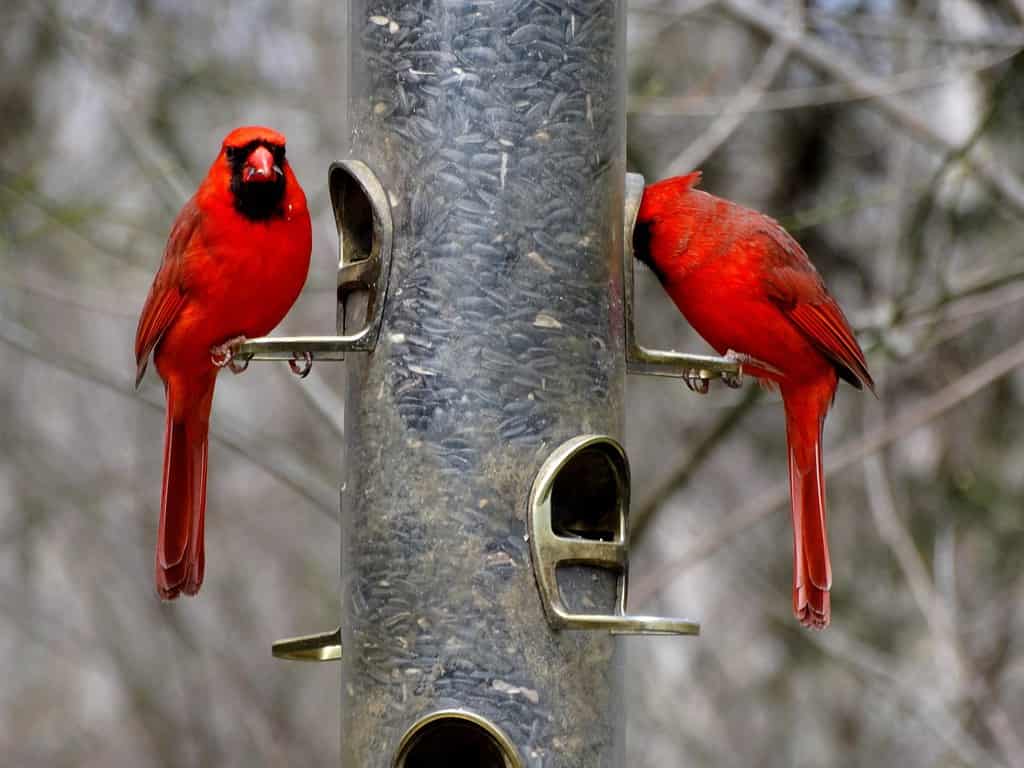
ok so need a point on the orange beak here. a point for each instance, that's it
(260, 166)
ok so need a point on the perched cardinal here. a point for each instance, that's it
(235, 261)
(749, 289)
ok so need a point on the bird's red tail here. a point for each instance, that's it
(179, 548)
(812, 570)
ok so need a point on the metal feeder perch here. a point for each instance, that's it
(578, 516)
(363, 218)
(486, 323)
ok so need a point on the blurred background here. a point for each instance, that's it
(885, 134)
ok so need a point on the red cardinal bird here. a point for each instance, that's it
(235, 261)
(749, 289)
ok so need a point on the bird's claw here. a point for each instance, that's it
(734, 380)
(699, 380)
(742, 360)
(696, 381)
(301, 364)
(223, 356)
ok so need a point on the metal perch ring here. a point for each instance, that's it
(237, 364)
(301, 363)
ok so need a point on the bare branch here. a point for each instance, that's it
(830, 93)
(288, 470)
(1018, 6)
(734, 113)
(763, 504)
(827, 60)
(641, 517)
(328, 406)
(836, 642)
(972, 297)
(897, 537)
(891, 26)
(954, 300)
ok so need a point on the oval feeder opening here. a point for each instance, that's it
(362, 215)
(587, 496)
(588, 502)
(456, 739)
(579, 539)
(354, 214)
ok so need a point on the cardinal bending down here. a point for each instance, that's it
(235, 262)
(749, 289)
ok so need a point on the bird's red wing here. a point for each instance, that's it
(161, 308)
(167, 296)
(828, 330)
(797, 289)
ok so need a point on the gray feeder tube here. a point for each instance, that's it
(496, 130)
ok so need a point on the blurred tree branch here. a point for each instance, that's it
(823, 95)
(942, 723)
(735, 111)
(926, 204)
(645, 510)
(289, 472)
(762, 504)
(883, 320)
(823, 57)
(723, 126)
(963, 679)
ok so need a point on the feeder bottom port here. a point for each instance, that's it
(456, 739)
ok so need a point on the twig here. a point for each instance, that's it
(984, 284)
(1018, 6)
(152, 157)
(641, 517)
(328, 406)
(924, 206)
(1006, 736)
(911, 29)
(821, 95)
(895, 535)
(828, 60)
(851, 452)
(23, 189)
(889, 27)
(694, 155)
(938, 715)
(292, 475)
(943, 723)
(49, 288)
(676, 17)
(726, 123)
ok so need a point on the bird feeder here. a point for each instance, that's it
(485, 321)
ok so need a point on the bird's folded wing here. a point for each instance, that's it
(801, 296)
(162, 306)
(167, 296)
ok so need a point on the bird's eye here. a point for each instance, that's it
(279, 154)
(231, 153)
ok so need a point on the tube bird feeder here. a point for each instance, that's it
(481, 211)
(497, 129)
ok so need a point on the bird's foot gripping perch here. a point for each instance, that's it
(735, 380)
(223, 355)
(699, 379)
